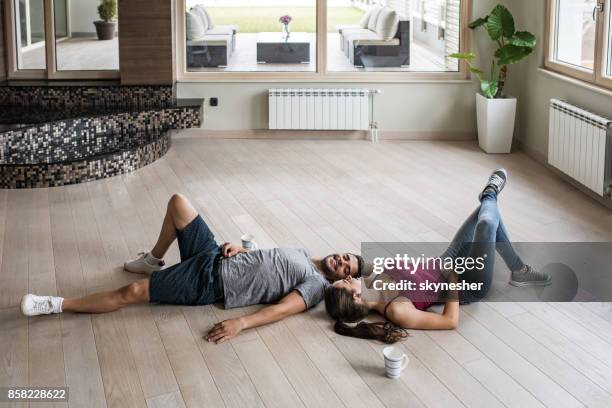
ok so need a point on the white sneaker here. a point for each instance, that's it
(33, 305)
(145, 263)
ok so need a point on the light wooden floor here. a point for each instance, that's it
(324, 195)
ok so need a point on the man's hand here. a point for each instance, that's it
(228, 250)
(225, 330)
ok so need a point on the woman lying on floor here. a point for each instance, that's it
(480, 236)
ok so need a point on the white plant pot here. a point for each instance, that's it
(495, 123)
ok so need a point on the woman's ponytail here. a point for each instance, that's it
(386, 332)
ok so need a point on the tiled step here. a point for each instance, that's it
(52, 136)
(94, 167)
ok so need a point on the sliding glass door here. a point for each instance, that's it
(63, 39)
(30, 34)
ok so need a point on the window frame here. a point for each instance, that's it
(596, 77)
(50, 72)
(321, 73)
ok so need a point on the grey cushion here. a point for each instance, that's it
(386, 25)
(342, 27)
(350, 31)
(350, 38)
(201, 13)
(374, 18)
(194, 28)
(381, 43)
(211, 40)
(211, 25)
(363, 23)
(221, 30)
(362, 35)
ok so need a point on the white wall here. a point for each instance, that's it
(411, 108)
(400, 108)
(535, 88)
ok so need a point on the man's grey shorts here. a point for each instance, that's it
(195, 280)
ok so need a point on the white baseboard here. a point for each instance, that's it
(322, 134)
(533, 153)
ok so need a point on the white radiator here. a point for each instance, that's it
(319, 109)
(579, 145)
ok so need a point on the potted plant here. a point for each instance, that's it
(496, 111)
(105, 27)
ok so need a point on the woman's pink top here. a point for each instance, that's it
(421, 299)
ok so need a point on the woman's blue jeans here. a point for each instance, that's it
(479, 236)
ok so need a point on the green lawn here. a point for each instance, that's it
(265, 19)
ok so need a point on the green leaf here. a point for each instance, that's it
(523, 39)
(468, 56)
(500, 23)
(489, 88)
(511, 54)
(475, 70)
(479, 22)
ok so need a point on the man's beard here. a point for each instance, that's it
(327, 271)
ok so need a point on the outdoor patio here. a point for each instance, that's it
(89, 53)
(80, 53)
(244, 58)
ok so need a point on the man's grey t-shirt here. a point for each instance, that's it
(267, 275)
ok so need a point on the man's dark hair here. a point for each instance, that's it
(360, 264)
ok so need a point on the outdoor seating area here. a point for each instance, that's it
(361, 37)
(208, 45)
(379, 40)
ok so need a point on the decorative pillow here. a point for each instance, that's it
(363, 23)
(208, 18)
(386, 26)
(200, 12)
(194, 28)
(374, 18)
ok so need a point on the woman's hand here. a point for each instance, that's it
(225, 330)
(228, 250)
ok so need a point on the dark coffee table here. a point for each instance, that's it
(274, 48)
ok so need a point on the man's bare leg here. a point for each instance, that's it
(179, 214)
(104, 302)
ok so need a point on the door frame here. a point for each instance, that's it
(50, 72)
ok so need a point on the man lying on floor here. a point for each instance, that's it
(285, 278)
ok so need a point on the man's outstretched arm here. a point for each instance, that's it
(291, 304)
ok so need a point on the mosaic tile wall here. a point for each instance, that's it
(78, 138)
(91, 143)
(80, 171)
(83, 97)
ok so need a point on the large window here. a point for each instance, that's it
(579, 40)
(397, 35)
(321, 39)
(250, 36)
(58, 39)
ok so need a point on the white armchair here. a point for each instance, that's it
(208, 45)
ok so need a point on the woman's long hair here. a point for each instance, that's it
(341, 306)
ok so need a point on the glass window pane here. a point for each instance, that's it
(248, 36)
(83, 41)
(404, 35)
(575, 32)
(30, 34)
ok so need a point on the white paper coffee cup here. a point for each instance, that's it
(248, 242)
